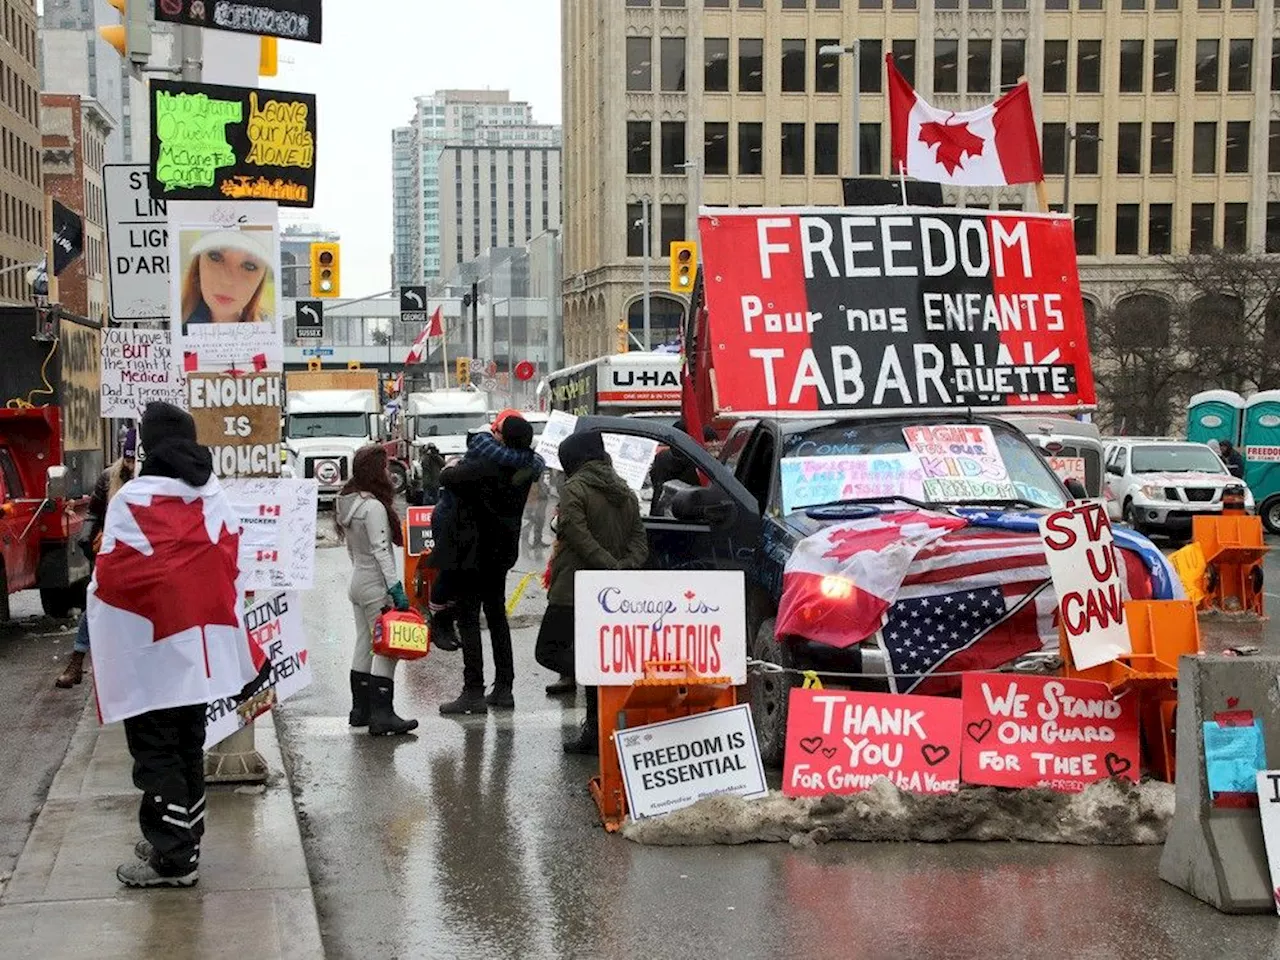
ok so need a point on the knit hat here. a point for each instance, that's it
(163, 421)
(517, 433)
(129, 450)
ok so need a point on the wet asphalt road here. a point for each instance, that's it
(477, 839)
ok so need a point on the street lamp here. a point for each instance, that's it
(835, 50)
(643, 224)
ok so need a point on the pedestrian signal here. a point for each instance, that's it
(462, 369)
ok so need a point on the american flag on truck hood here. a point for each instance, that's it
(949, 594)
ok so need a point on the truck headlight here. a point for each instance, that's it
(1152, 492)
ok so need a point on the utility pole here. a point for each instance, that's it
(648, 251)
(832, 50)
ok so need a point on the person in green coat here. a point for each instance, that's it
(598, 528)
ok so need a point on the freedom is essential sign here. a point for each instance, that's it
(894, 308)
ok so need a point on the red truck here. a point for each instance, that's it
(51, 453)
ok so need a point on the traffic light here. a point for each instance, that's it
(268, 57)
(132, 37)
(462, 369)
(624, 337)
(684, 265)
(326, 270)
(313, 364)
(353, 364)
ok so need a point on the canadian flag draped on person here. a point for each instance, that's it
(992, 146)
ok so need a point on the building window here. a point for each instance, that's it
(1086, 148)
(1206, 66)
(793, 4)
(1053, 140)
(1236, 155)
(1275, 64)
(1013, 62)
(1129, 148)
(1133, 4)
(793, 149)
(1055, 66)
(715, 75)
(672, 51)
(1160, 229)
(673, 157)
(1126, 228)
(716, 4)
(1201, 227)
(1240, 65)
(1162, 148)
(1086, 217)
(946, 66)
(869, 148)
(750, 149)
(635, 230)
(826, 68)
(1164, 66)
(672, 226)
(1209, 4)
(793, 66)
(639, 147)
(826, 149)
(1088, 66)
(750, 4)
(978, 66)
(1273, 147)
(904, 58)
(750, 66)
(715, 149)
(639, 64)
(1131, 66)
(1235, 227)
(1204, 147)
(826, 5)
(1057, 4)
(870, 65)
(1273, 228)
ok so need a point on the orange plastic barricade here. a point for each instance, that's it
(1233, 551)
(668, 689)
(1160, 631)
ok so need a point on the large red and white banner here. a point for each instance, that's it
(893, 308)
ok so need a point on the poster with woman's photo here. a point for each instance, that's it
(225, 293)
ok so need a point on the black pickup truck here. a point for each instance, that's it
(737, 522)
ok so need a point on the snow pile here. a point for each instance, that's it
(1114, 812)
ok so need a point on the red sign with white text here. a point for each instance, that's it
(1024, 731)
(839, 742)
(854, 309)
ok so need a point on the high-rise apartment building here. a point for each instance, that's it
(21, 195)
(1167, 104)
(75, 59)
(457, 118)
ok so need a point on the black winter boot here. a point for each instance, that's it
(587, 742)
(471, 701)
(359, 716)
(444, 634)
(501, 698)
(383, 721)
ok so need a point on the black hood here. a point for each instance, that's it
(579, 448)
(169, 446)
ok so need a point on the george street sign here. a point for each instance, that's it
(413, 304)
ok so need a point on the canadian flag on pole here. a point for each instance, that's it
(419, 347)
(436, 327)
(991, 146)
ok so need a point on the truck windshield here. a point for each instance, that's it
(449, 424)
(1033, 481)
(328, 425)
(1175, 458)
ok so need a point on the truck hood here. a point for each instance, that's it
(451, 445)
(325, 446)
(1188, 479)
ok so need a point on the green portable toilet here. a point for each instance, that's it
(1261, 448)
(1215, 415)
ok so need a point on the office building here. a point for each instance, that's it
(731, 102)
(21, 195)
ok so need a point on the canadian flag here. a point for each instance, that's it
(436, 327)
(991, 146)
(419, 347)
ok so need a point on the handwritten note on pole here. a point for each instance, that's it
(810, 481)
(960, 462)
(1085, 566)
(137, 368)
(214, 142)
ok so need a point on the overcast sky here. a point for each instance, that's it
(376, 57)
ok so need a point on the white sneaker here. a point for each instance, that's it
(140, 873)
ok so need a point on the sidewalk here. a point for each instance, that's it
(63, 901)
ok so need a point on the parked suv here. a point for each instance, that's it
(1158, 485)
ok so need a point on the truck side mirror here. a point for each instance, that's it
(56, 483)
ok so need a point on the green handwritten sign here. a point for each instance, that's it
(192, 130)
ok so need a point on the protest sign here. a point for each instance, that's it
(420, 539)
(275, 626)
(1269, 807)
(821, 309)
(632, 457)
(277, 531)
(559, 426)
(1025, 731)
(1234, 752)
(624, 619)
(137, 368)
(212, 142)
(238, 419)
(137, 244)
(670, 765)
(225, 299)
(839, 742)
(1085, 566)
(1068, 468)
(960, 462)
(1262, 454)
(809, 481)
(287, 19)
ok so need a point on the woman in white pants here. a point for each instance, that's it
(367, 522)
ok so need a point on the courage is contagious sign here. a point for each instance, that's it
(894, 309)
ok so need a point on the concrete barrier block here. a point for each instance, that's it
(1216, 854)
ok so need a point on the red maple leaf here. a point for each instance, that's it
(954, 141)
(847, 543)
(187, 581)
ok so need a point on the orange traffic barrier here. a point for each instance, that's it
(669, 689)
(1233, 552)
(1160, 631)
